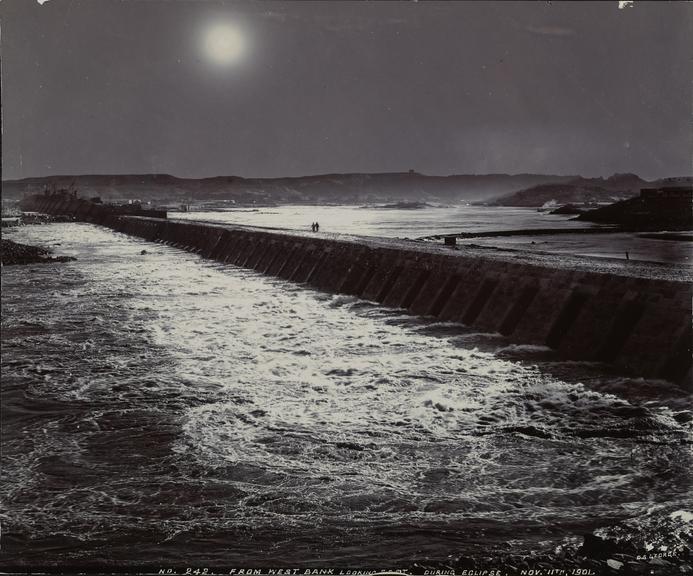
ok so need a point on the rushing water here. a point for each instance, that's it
(161, 408)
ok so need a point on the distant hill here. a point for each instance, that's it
(320, 189)
(576, 191)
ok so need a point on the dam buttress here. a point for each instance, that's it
(638, 318)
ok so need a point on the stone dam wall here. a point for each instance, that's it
(641, 325)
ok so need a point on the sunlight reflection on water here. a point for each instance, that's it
(150, 397)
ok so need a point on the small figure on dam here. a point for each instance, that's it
(312, 226)
(317, 227)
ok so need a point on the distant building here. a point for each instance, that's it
(678, 181)
(673, 192)
(662, 208)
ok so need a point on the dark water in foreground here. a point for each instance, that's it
(164, 409)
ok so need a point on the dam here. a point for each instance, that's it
(637, 318)
(167, 407)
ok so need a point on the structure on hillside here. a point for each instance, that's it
(662, 208)
(66, 202)
(667, 193)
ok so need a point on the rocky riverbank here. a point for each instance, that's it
(595, 557)
(15, 253)
(31, 218)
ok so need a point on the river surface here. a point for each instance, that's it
(163, 409)
(431, 221)
(391, 222)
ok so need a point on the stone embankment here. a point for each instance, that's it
(637, 318)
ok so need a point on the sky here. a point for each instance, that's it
(268, 89)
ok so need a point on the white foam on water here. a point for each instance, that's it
(321, 406)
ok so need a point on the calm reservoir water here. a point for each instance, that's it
(164, 409)
(391, 222)
(430, 221)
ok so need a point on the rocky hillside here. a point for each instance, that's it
(648, 213)
(576, 191)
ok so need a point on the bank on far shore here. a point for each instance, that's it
(12, 253)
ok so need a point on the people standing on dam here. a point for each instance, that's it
(315, 227)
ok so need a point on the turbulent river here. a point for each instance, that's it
(161, 408)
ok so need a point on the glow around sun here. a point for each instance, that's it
(224, 43)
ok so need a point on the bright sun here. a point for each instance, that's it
(224, 44)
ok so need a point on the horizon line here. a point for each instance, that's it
(316, 175)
